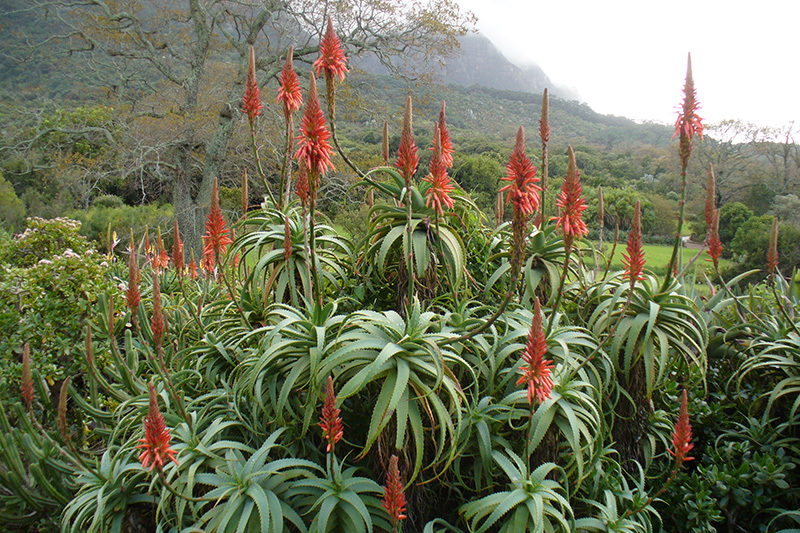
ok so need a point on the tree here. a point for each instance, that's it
(182, 64)
(731, 218)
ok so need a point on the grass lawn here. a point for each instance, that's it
(657, 257)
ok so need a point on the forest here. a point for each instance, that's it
(263, 271)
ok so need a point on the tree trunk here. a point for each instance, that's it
(631, 418)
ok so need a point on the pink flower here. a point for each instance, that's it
(407, 157)
(313, 146)
(330, 421)
(682, 437)
(331, 60)
(155, 444)
(289, 93)
(535, 368)
(523, 193)
(394, 501)
(634, 258)
(571, 204)
(251, 103)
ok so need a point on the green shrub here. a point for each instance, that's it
(122, 219)
(12, 210)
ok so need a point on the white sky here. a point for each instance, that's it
(628, 57)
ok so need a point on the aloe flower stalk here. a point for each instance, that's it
(407, 156)
(330, 421)
(571, 204)
(245, 193)
(446, 143)
(544, 136)
(132, 293)
(440, 186)
(161, 258)
(155, 445)
(332, 62)
(394, 501)
(62, 411)
(601, 220)
(26, 388)
(535, 368)
(772, 253)
(499, 209)
(251, 103)
(193, 267)
(177, 249)
(216, 238)
(385, 144)
(291, 97)
(302, 188)
(313, 146)
(520, 172)
(157, 320)
(714, 243)
(634, 258)
(682, 436)
(287, 239)
(711, 191)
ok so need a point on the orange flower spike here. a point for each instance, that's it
(313, 146)
(633, 259)
(571, 204)
(26, 387)
(332, 60)
(155, 444)
(289, 92)
(193, 267)
(251, 103)
(535, 368)
(216, 238)
(772, 253)
(394, 501)
(157, 320)
(407, 156)
(682, 437)
(330, 421)
(714, 243)
(688, 123)
(523, 191)
(447, 144)
(177, 249)
(440, 186)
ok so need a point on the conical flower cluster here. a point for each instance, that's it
(682, 436)
(633, 259)
(571, 204)
(394, 501)
(440, 186)
(132, 293)
(523, 191)
(251, 103)
(332, 60)
(407, 156)
(177, 249)
(314, 150)
(447, 144)
(289, 92)
(714, 243)
(688, 123)
(535, 368)
(216, 238)
(330, 421)
(155, 444)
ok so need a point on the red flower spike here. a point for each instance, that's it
(155, 444)
(523, 193)
(634, 258)
(772, 253)
(714, 244)
(571, 204)
(394, 501)
(177, 249)
(157, 320)
(535, 368)
(331, 60)
(688, 123)
(313, 146)
(711, 203)
(287, 240)
(132, 294)
(330, 421)
(447, 144)
(289, 92)
(216, 238)
(251, 103)
(682, 437)
(193, 268)
(440, 186)
(26, 388)
(161, 258)
(407, 157)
